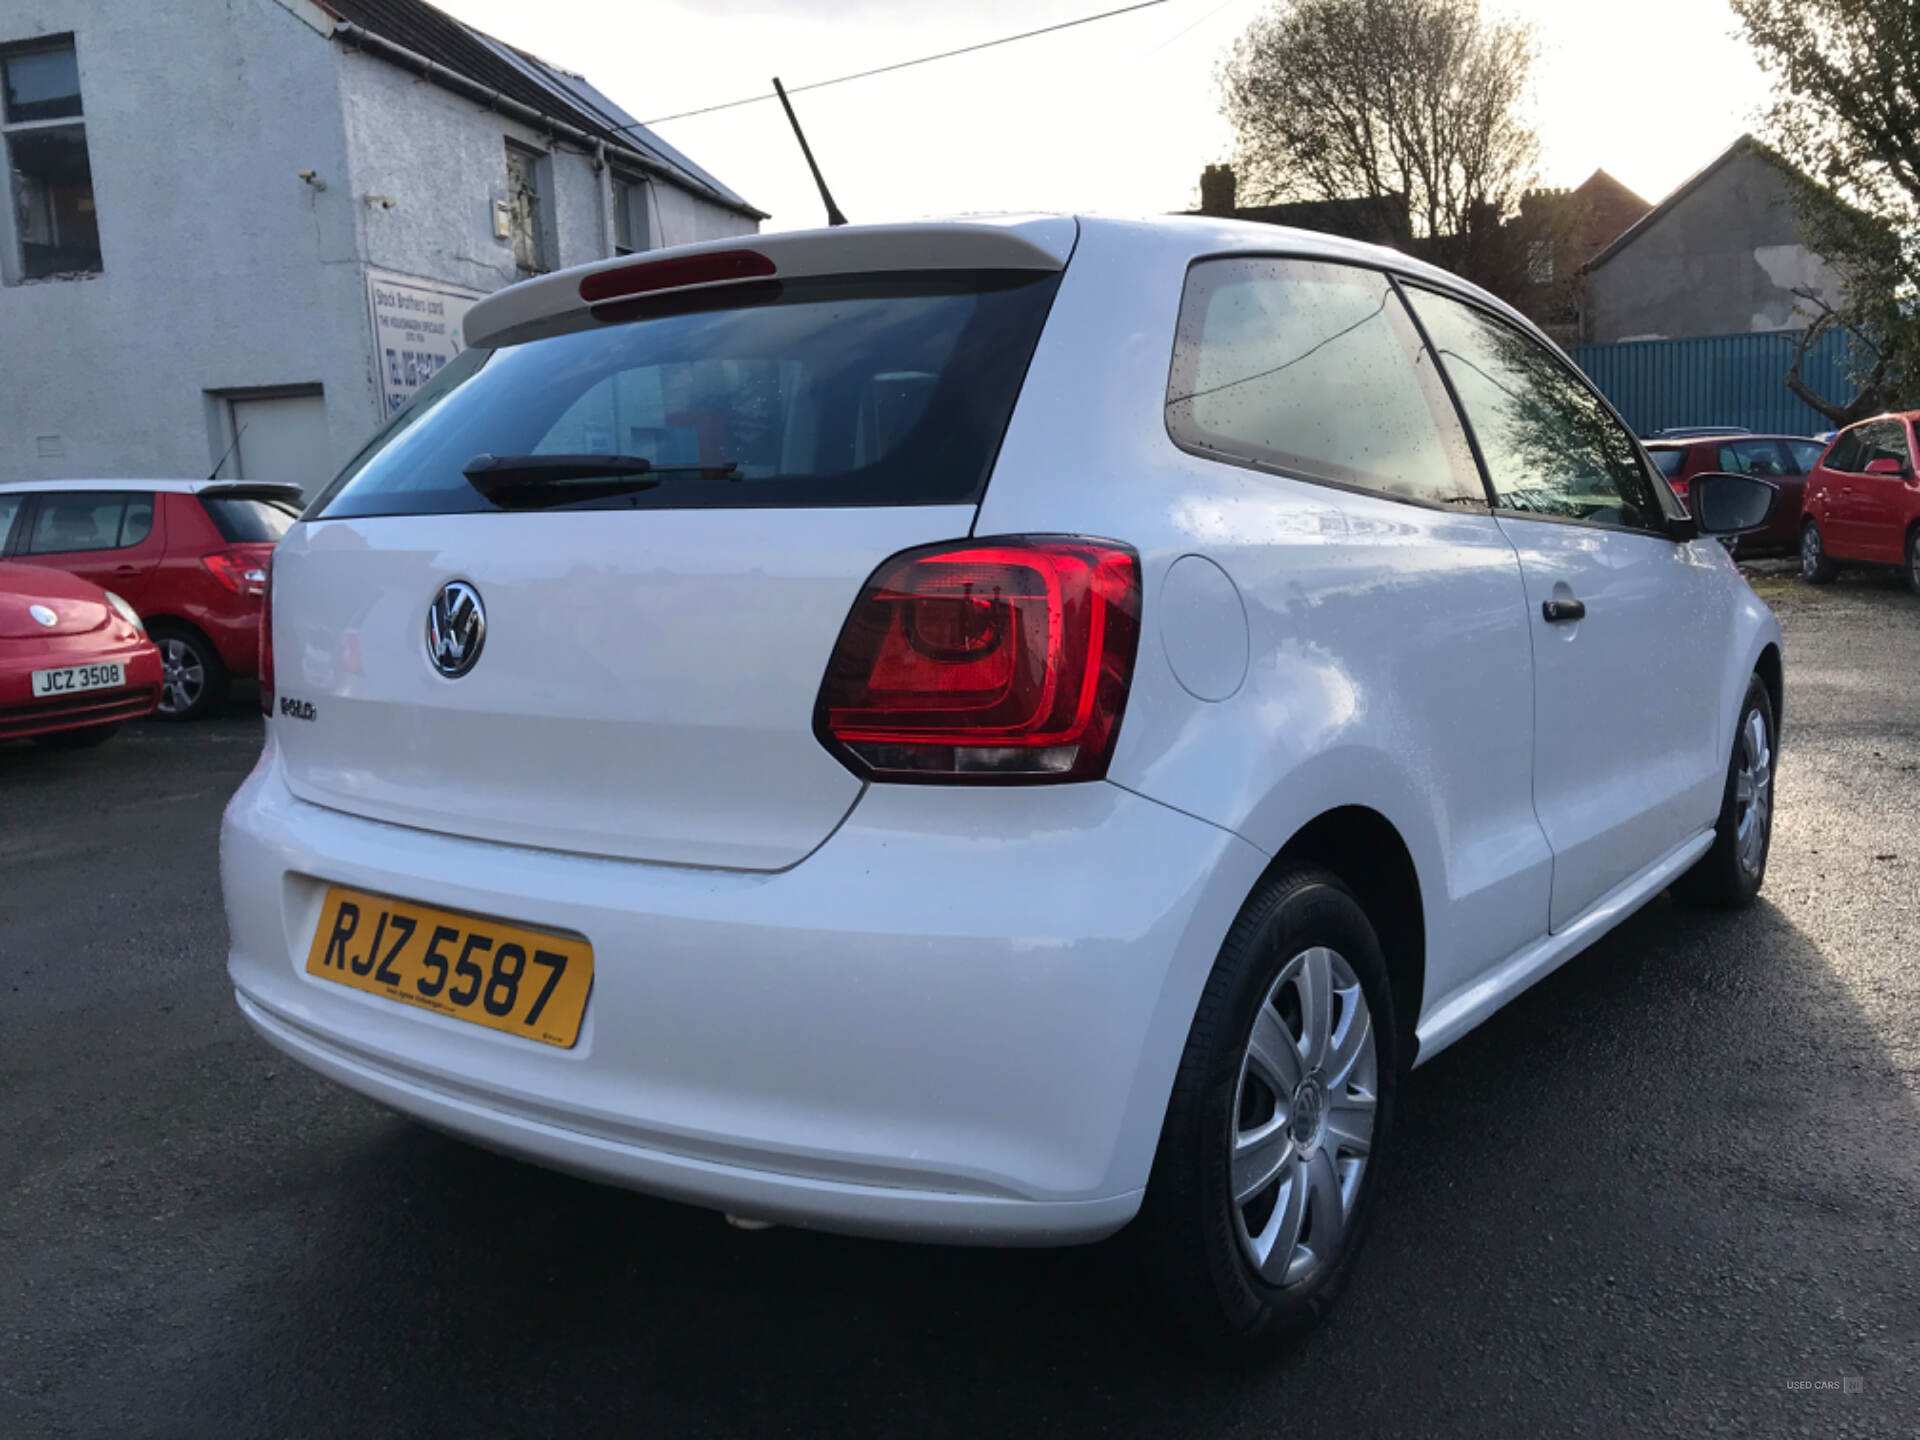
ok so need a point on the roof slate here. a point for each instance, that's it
(533, 82)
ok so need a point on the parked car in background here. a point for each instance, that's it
(1863, 502)
(75, 661)
(188, 555)
(1783, 459)
(980, 732)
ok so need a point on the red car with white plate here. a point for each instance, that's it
(1863, 501)
(75, 661)
(189, 555)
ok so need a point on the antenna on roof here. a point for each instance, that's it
(834, 217)
(215, 475)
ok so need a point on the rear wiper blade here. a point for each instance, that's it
(537, 482)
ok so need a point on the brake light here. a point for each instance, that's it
(266, 637)
(241, 572)
(1679, 487)
(1004, 659)
(651, 275)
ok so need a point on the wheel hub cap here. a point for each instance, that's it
(1753, 793)
(1303, 1117)
(182, 677)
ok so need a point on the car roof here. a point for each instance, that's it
(1037, 242)
(1682, 442)
(174, 487)
(1913, 415)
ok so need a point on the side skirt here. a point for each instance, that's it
(1457, 1013)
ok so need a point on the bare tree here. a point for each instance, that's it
(1413, 103)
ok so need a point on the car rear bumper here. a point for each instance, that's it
(958, 1019)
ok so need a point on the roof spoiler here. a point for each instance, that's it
(552, 303)
(252, 490)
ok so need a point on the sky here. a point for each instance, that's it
(1117, 117)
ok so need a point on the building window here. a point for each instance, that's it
(632, 215)
(1540, 262)
(55, 229)
(523, 201)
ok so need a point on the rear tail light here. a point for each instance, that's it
(266, 638)
(1679, 487)
(981, 661)
(242, 572)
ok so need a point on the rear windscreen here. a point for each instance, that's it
(868, 391)
(245, 521)
(1671, 462)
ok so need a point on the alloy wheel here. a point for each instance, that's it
(183, 677)
(1809, 551)
(1753, 793)
(1303, 1117)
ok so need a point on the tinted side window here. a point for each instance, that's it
(136, 522)
(1550, 445)
(90, 520)
(1882, 440)
(1315, 370)
(1804, 454)
(1751, 457)
(1671, 462)
(1846, 452)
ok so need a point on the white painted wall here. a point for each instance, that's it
(222, 268)
(224, 271)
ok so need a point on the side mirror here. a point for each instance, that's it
(1886, 466)
(1733, 504)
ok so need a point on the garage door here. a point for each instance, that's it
(282, 437)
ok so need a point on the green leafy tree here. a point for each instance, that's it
(1846, 111)
(1414, 104)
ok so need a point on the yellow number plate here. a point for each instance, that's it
(524, 982)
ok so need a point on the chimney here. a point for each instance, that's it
(1216, 190)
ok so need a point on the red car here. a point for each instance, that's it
(1786, 460)
(74, 661)
(189, 555)
(1863, 501)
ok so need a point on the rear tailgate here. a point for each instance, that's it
(645, 689)
(654, 641)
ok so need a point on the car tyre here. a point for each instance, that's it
(1913, 559)
(192, 678)
(1731, 872)
(1816, 566)
(84, 738)
(1212, 1231)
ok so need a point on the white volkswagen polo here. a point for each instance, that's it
(986, 732)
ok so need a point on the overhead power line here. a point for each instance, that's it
(907, 64)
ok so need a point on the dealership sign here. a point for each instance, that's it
(416, 329)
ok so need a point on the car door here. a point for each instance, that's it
(110, 537)
(1830, 490)
(1627, 622)
(1879, 501)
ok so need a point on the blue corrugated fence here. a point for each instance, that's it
(1718, 380)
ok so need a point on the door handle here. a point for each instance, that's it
(127, 570)
(1557, 612)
